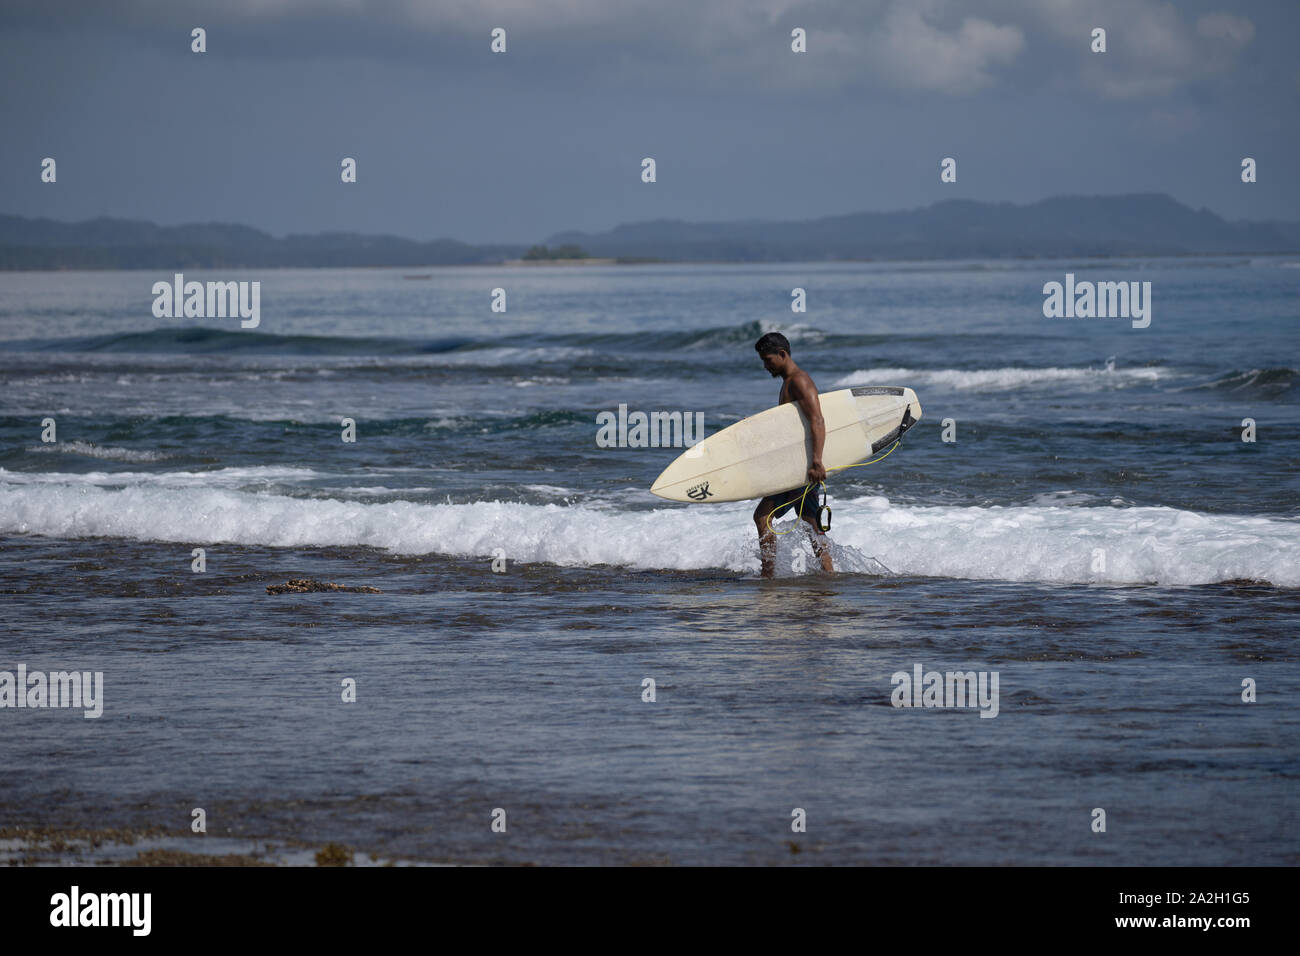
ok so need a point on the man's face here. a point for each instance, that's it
(774, 362)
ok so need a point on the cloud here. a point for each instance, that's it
(938, 47)
(1236, 31)
(912, 52)
(1152, 50)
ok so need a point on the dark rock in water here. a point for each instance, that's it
(334, 855)
(305, 585)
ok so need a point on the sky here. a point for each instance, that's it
(454, 141)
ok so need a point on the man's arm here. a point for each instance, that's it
(805, 394)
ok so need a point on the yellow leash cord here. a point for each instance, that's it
(807, 487)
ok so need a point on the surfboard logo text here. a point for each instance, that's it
(655, 430)
(699, 492)
(1102, 300)
(953, 689)
(213, 300)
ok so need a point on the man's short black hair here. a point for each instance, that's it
(772, 342)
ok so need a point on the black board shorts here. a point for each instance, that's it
(789, 500)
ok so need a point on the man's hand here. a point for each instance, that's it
(816, 471)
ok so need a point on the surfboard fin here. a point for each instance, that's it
(907, 422)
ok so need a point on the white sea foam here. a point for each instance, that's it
(1032, 543)
(547, 380)
(551, 490)
(482, 357)
(796, 332)
(91, 450)
(53, 378)
(1075, 498)
(373, 491)
(1005, 379)
(218, 478)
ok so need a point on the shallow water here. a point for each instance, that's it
(1120, 676)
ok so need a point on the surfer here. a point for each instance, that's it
(796, 386)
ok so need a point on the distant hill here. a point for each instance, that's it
(1142, 224)
(134, 244)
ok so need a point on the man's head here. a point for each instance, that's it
(774, 349)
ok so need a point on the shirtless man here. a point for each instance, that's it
(774, 349)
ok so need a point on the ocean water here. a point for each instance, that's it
(1098, 534)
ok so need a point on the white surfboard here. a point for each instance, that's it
(770, 452)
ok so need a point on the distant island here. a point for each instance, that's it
(567, 251)
(1143, 224)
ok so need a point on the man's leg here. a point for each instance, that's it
(766, 539)
(821, 544)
